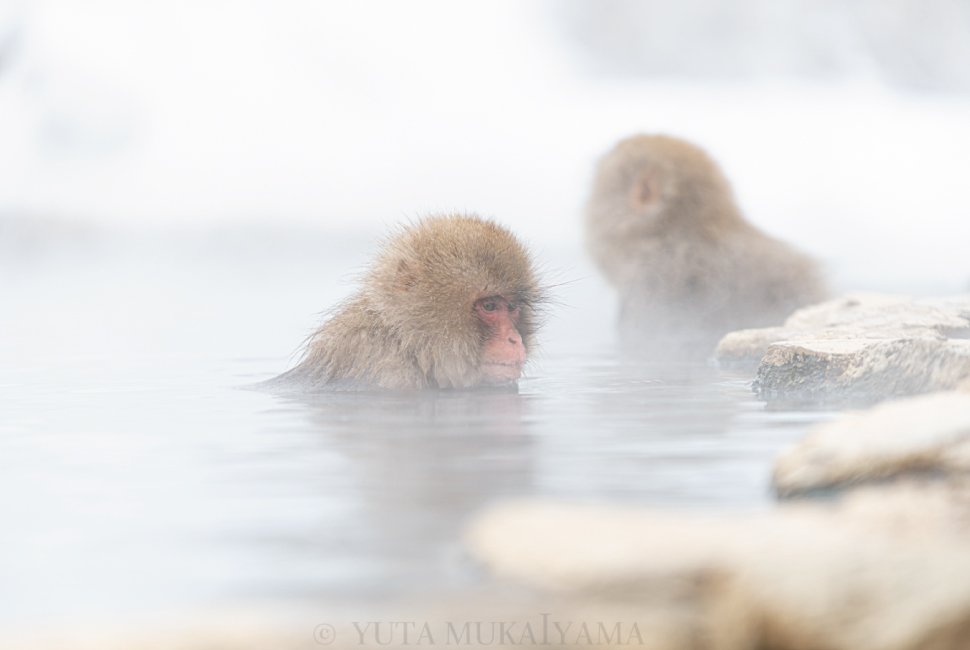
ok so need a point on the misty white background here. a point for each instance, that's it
(352, 116)
(222, 167)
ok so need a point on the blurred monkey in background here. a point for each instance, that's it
(662, 224)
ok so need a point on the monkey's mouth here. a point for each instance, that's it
(501, 371)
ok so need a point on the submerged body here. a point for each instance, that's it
(663, 225)
(449, 302)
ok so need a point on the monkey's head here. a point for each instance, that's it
(652, 185)
(459, 292)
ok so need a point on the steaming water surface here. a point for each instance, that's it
(136, 474)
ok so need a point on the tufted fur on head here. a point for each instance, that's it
(663, 225)
(412, 325)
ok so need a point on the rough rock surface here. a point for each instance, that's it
(795, 578)
(854, 316)
(923, 434)
(861, 369)
(877, 313)
(862, 347)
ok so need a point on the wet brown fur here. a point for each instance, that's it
(411, 325)
(663, 225)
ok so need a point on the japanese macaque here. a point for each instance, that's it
(663, 225)
(449, 302)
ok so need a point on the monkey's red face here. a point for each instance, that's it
(504, 354)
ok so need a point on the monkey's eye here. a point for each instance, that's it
(489, 306)
(513, 306)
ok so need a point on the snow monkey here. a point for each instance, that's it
(449, 302)
(662, 224)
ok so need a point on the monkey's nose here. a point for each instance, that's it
(516, 350)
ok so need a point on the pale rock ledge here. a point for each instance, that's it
(922, 435)
(861, 346)
(793, 578)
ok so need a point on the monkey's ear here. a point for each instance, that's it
(404, 278)
(645, 190)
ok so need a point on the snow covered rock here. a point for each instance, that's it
(854, 316)
(859, 347)
(917, 508)
(862, 369)
(796, 577)
(923, 434)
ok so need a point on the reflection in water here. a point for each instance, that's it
(583, 427)
(422, 464)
